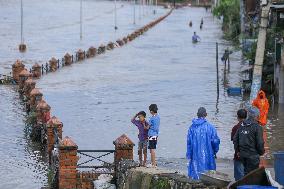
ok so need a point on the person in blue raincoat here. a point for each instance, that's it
(202, 145)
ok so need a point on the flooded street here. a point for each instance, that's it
(97, 98)
(52, 28)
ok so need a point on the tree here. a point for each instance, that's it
(230, 11)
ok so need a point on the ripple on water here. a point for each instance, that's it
(19, 159)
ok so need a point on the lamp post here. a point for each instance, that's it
(22, 46)
(139, 9)
(81, 20)
(147, 7)
(22, 12)
(115, 16)
(134, 11)
(143, 7)
(217, 69)
(156, 6)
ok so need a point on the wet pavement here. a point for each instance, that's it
(97, 98)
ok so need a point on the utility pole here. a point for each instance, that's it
(134, 11)
(22, 20)
(139, 9)
(22, 46)
(115, 16)
(143, 7)
(217, 69)
(81, 20)
(146, 3)
(156, 6)
(260, 52)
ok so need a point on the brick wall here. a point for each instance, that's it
(67, 164)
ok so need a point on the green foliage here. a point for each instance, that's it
(31, 118)
(161, 184)
(50, 176)
(251, 54)
(230, 11)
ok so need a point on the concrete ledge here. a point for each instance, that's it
(157, 178)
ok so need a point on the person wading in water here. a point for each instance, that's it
(195, 38)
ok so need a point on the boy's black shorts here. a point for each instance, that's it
(152, 143)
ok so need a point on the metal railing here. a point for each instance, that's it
(45, 68)
(7, 80)
(89, 157)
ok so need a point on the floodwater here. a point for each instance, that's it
(22, 164)
(96, 99)
(52, 27)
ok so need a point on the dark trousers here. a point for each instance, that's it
(250, 163)
(238, 170)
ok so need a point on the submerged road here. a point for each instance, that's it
(96, 99)
(52, 28)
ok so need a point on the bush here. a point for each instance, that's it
(230, 11)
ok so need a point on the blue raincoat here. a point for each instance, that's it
(202, 145)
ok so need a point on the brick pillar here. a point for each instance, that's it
(80, 55)
(125, 40)
(120, 42)
(43, 112)
(35, 97)
(124, 148)
(53, 123)
(29, 85)
(17, 67)
(53, 64)
(129, 38)
(101, 49)
(67, 164)
(110, 46)
(92, 52)
(22, 47)
(36, 70)
(23, 76)
(68, 59)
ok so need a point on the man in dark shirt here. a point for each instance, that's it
(248, 141)
(238, 166)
